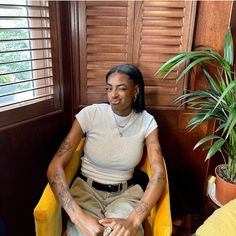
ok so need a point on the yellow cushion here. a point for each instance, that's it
(221, 223)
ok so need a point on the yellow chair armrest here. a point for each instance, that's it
(159, 222)
(47, 213)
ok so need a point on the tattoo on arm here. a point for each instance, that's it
(155, 180)
(158, 151)
(62, 190)
(152, 142)
(65, 146)
(141, 208)
(154, 163)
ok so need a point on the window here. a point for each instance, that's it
(29, 66)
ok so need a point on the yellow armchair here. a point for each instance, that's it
(48, 217)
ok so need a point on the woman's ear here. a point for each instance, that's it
(136, 90)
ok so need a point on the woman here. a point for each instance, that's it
(104, 200)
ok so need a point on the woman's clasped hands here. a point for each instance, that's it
(118, 227)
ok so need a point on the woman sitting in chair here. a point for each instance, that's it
(104, 199)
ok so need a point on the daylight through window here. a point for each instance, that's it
(26, 75)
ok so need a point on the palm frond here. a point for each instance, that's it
(231, 86)
(206, 139)
(216, 147)
(231, 122)
(229, 48)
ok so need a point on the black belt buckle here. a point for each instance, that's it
(113, 188)
(107, 187)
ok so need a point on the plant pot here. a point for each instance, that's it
(225, 191)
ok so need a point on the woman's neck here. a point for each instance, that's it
(122, 113)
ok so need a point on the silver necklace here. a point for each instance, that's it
(122, 125)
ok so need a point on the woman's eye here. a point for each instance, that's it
(108, 89)
(122, 88)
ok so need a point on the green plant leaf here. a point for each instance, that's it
(220, 127)
(216, 147)
(170, 65)
(231, 122)
(205, 139)
(231, 86)
(229, 48)
(210, 80)
(191, 65)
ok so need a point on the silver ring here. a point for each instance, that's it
(108, 230)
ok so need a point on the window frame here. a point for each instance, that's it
(27, 113)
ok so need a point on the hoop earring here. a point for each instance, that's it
(135, 98)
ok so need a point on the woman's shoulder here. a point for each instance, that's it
(148, 118)
(97, 107)
(92, 109)
(146, 115)
(100, 107)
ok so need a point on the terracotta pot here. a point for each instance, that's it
(225, 191)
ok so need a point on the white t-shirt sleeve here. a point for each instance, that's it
(85, 117)
(151, 124)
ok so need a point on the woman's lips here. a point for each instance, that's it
(115, 102)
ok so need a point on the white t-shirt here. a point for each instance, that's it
(110, 158)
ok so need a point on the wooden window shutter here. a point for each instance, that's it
(163, 29)
(145, 33)
(105, 36)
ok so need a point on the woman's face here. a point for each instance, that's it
(121, 92)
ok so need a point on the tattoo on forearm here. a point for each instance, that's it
(65, 146)
(141, 208)
(158, 151)
(155, 162)
(158, 178)
(62, 190)
(155, 180)
(152, 142)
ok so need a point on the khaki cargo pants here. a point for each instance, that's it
(102, 204)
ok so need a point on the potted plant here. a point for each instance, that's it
(217, 103)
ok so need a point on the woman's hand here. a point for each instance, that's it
(89, 225)
(120, 227)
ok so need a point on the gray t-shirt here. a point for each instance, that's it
(112, 152)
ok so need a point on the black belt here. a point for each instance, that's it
(107, 187)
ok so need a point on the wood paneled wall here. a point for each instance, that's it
(26, 150)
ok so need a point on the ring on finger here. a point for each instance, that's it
(108, 230)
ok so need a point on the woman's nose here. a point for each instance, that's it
(114, 93)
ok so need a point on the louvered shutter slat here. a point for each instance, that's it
(106, 22)
(160, 40)
(172, 4)
(100, 39)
